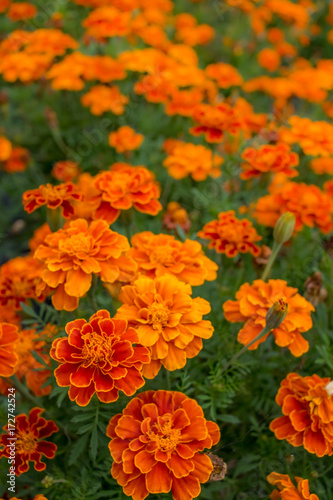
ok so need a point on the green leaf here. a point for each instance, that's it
(230, 419)
(77, 449)
(94, 443)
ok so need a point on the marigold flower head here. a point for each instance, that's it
(231, 236)
(252, 304)
(4, 4)
(322, 165)
(183, 102)
(65, 171)
(21, 10)
(269, 158)
(190, 159)
(5, 148)
(286, 490)
(160, 254)
(30, 445)
(307, 407)
(311, 206)
(189, 32)
(125, 139)
(175, 215)
(20, 279)
(214, 121)
(156, 444)
(8, 356)
(72, 254)
(167, 320)
(107, 21)
(315, 138)
(18, 160)
(53, 197)
(100, 356)
(123, 187)
(102, 98)
(225, 75)
(269, 59)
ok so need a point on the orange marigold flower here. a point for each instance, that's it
(65, 171)
(231, 236)
(225, 75)
(269, 158)
(72, 254)
(123, 187)
(8, 356)
(307, 406)
(176, 215)
(156, 444)
(107, 21)
(102, 98)
(190, 159)
(20, 279)
(30, 445)
(328, 188)
(269, 59)
(4, 4)
(322, 165)
(311, 206)
(160, 254)
(251, 305)
(167, 320)
(315, 138)
(28, 367)
(125, 139)
(18, 160)
(5, 148)
(286, 490)
(99, 356)
(214, 121)
(21, 10)
(53, 196)
(183, 102)
(190, 33)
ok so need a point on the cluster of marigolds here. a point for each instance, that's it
(157, 442)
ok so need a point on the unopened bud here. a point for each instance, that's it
(276, 314)
(47, 481)
(329, 388)
(284, 228)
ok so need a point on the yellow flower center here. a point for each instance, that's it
(96, 348)
(162, 255)
(26, 442)
(77, 244)
(158, 315)
(165, 436)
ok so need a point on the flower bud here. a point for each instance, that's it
(284, 228)
(47, 482)
(276, 314)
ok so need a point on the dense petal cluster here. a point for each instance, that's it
(30, 445)
(159, 254)
(186, 159)
(125, 139)
(167, 320)
(100, 356)
(311, 206)
(215, 121)
(156, 444)
(286, 490)
(269, 158)
(102, 98)
(73, 254)
(252, 304)
(65, 171)
(123, 187)
(307, 406)
(53, 197)
(8, 356)
(231, 236)
(225, 75)
(315, 138)
(175, 215)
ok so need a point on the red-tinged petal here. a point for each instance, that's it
(135, 444)
(151, 370)
(116, 447)
(158, 480)
(131, 383)
(300, 420)
(83, 377)
(128, 427)
(144, 461)
(117, 372)
(314, 442)
(103, 383)
(184, 451)
(213, 431)
(46, 448)
(164, 402)
(122, 351)
(185, 488)
(203, 467)
(63, 374)
(161, 456)
(196, 431)
(179, 466)
(151, 411)
(128, 458)
(109, 396)
(180, 419)
(136, 488)
(82, 396)
(282, 427)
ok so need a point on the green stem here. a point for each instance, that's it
(275, 250)
(263, 332)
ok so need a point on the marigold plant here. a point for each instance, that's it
(287, 490)
(125, 139)
(269, 158)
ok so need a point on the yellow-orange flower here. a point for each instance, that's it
(18, 160)
(269, 59)
(186, 159)
(156, 444)
(176, 215)
(286, 490)
(167, 320)
(72, 254)
(160, 254)
(231, 236)
(101, 99)
(251, 305)
(307, 406)
(21, 10)
(107, 21)
(315, 138)
(123, 187)
(269, 158)
(101, 356)
(8, 356)
(214, 121)
(5, 148)
(322, 165)
(53, 197)
(65, 171)
(125, 139)
(225, 75)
